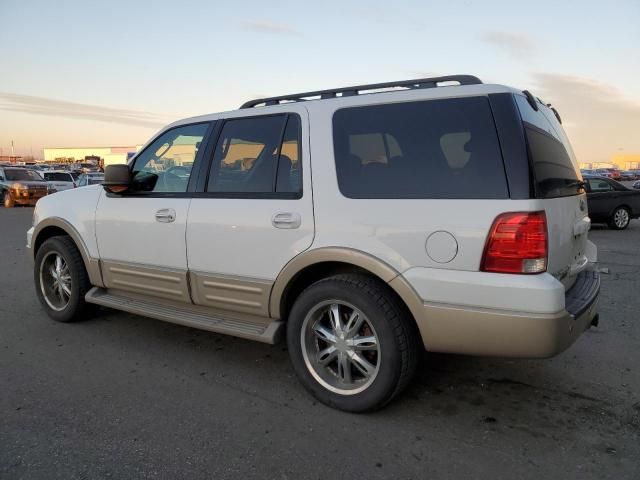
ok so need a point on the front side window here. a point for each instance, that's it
(165, 165)
(427, 149)
(257, 155)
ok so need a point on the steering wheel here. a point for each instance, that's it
(172, 181)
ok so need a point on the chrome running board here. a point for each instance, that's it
(188, 315)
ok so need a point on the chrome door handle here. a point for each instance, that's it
(166, 215)
(286, 220)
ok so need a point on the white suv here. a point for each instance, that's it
(369, 222)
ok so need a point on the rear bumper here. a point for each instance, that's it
(510, 333)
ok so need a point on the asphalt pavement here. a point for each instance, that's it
(122, 396)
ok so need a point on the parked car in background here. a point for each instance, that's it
(88, 167)
(586, 171)
(87, 179)
(602, 172)
(611, 202)
(59, 180)
(627, 175)
(21, 186)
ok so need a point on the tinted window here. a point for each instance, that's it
(57, 177)
(599, 185)
(555, 171)
(428, 149)
(165, 165)
(22, 174)
(257, 155)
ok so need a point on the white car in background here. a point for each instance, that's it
(87, 179)
(59, 180)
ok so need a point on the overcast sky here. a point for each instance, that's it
(89, 73)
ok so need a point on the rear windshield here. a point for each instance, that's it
(20, 174)
(57, 177)
(427, 149)
(555, 169)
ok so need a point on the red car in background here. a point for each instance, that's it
(608, 172)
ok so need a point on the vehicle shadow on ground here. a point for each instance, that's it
(525, 396)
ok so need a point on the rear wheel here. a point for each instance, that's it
(351, 344)
(61, 280)
(619, 218)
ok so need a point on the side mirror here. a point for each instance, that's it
(117, 178)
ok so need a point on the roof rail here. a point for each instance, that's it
(359, 89)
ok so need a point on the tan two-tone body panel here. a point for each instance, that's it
(224, 292)
(148, 280)
(219, 292)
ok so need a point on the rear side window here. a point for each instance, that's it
(58, 177)
(428, 149)
(599, 185)
(555, 170)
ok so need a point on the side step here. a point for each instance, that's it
(188, 316)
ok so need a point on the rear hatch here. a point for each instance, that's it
(558, 185)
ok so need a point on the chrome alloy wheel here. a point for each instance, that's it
(55, 281)
(621, 218)
(340, 347)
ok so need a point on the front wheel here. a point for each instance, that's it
(61, 279)
(619, 219)
(351, 343)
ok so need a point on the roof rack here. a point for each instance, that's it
(359, 89)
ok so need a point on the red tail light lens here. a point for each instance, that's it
(517, 243)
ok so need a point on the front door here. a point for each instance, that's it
(141, 234)
(256, 213)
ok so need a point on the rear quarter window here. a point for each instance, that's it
(446, 148)
(555, 171)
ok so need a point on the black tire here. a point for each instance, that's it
(397, 337)
(620, 218)
(76, 308)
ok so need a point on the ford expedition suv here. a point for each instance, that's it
(365, 224)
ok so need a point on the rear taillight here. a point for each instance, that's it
(517, 243)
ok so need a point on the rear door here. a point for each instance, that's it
(558, 184)
(255, 213)
(600, 198)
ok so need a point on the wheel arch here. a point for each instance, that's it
(626, 206)
(53, 227)
(313, 265)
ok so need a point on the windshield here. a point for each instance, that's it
(20, 174)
